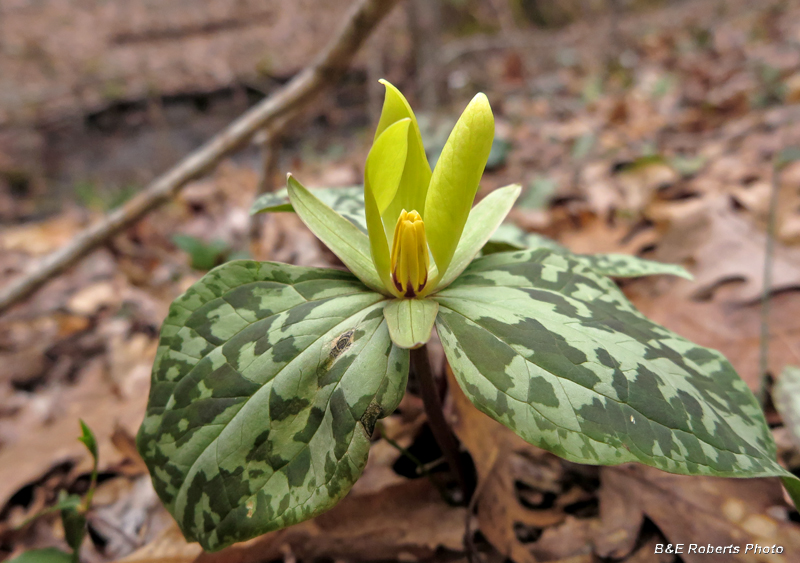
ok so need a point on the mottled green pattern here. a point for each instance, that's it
(555, 352)
(266, 387)
(347, 201)
(510, 237)
(786, 396)
(627, 266)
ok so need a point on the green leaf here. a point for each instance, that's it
(343, 238)
(552, 350)
(410, 321)
(64, 502)
(498, 154)
(792, 486)
(583, 146)
(47, 555)
(278, 201)
(347, 201)
(204, 255)
(627, 266)
(88, 440)
(509, 237)
(786, 397)
(483, 221)
(455, 180)
(74, 522)
(266, 386)
(539, 193)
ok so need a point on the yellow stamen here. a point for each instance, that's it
(409, 254)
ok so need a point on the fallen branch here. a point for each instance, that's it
(328, 67)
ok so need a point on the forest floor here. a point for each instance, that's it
(654, 134)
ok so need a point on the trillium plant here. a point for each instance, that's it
(269, 378)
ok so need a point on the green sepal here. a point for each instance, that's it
(410, 321)
(266, 386)
(343, 238)
(46, 555)
(483, 221)
(547, 347)
(455, 179)
(416, 172)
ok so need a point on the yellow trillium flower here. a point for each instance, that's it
(398, 178)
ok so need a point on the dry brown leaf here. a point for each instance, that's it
(168, 547)
(40, 238)
(724, 246)
(501, 460)
(407, 522)
(568, 541)
(705, 510)
(54, 439)
(620, 521)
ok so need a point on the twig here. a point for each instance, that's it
(329, 66)
(270, 141)
(421, 468)
(421, 365)
(473, 555)
(763, 367)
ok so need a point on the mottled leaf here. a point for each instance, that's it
(346, 201)
(410, 321)
(47, 555)
(786, 396)
(510, 237)
(342, 237)
(544, 345)
(627, 266)
(265, 390)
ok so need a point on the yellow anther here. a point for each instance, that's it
(409, 254)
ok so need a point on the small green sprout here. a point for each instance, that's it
(73, 514)
(270, 379)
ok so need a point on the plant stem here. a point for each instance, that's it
(421, 365)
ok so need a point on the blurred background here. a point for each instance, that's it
(659, 128)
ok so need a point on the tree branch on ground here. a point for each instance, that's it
(330, 64)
